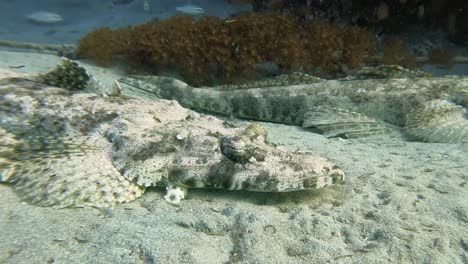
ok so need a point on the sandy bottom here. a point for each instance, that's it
(402, 202)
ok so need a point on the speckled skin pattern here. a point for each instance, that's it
(61, 149)
(428, 109)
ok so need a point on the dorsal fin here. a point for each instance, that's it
(336, 122)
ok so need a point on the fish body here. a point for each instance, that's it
(426, 108)
(60, 148)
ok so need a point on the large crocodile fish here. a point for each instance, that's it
(64, 148)
(426, 108)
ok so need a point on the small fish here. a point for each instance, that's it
(44, 17)
(121, 2)
(191, 10)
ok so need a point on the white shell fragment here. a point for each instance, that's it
(174, 194)
(182, 135)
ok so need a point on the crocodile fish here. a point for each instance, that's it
(63, 148)
(423, 108)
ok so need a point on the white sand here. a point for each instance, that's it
(402, 202)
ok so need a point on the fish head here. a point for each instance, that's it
(246, 160)
(201, 153)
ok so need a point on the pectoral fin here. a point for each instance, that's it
(62, 173)
(336, 122)
(438, 121)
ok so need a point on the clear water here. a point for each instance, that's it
(81, 17)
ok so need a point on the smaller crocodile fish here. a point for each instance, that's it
(428, 109)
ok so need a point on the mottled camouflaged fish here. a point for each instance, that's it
(59, 148)
(428, 109)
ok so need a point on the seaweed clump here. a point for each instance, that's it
(212, 50)
(396, 52)
(104, 44)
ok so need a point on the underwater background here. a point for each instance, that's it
(404, 200)
(326, 38)
(81, 17)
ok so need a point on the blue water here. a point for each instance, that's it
(83, 16)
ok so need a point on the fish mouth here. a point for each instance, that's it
(276, 169)
(333, 176)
